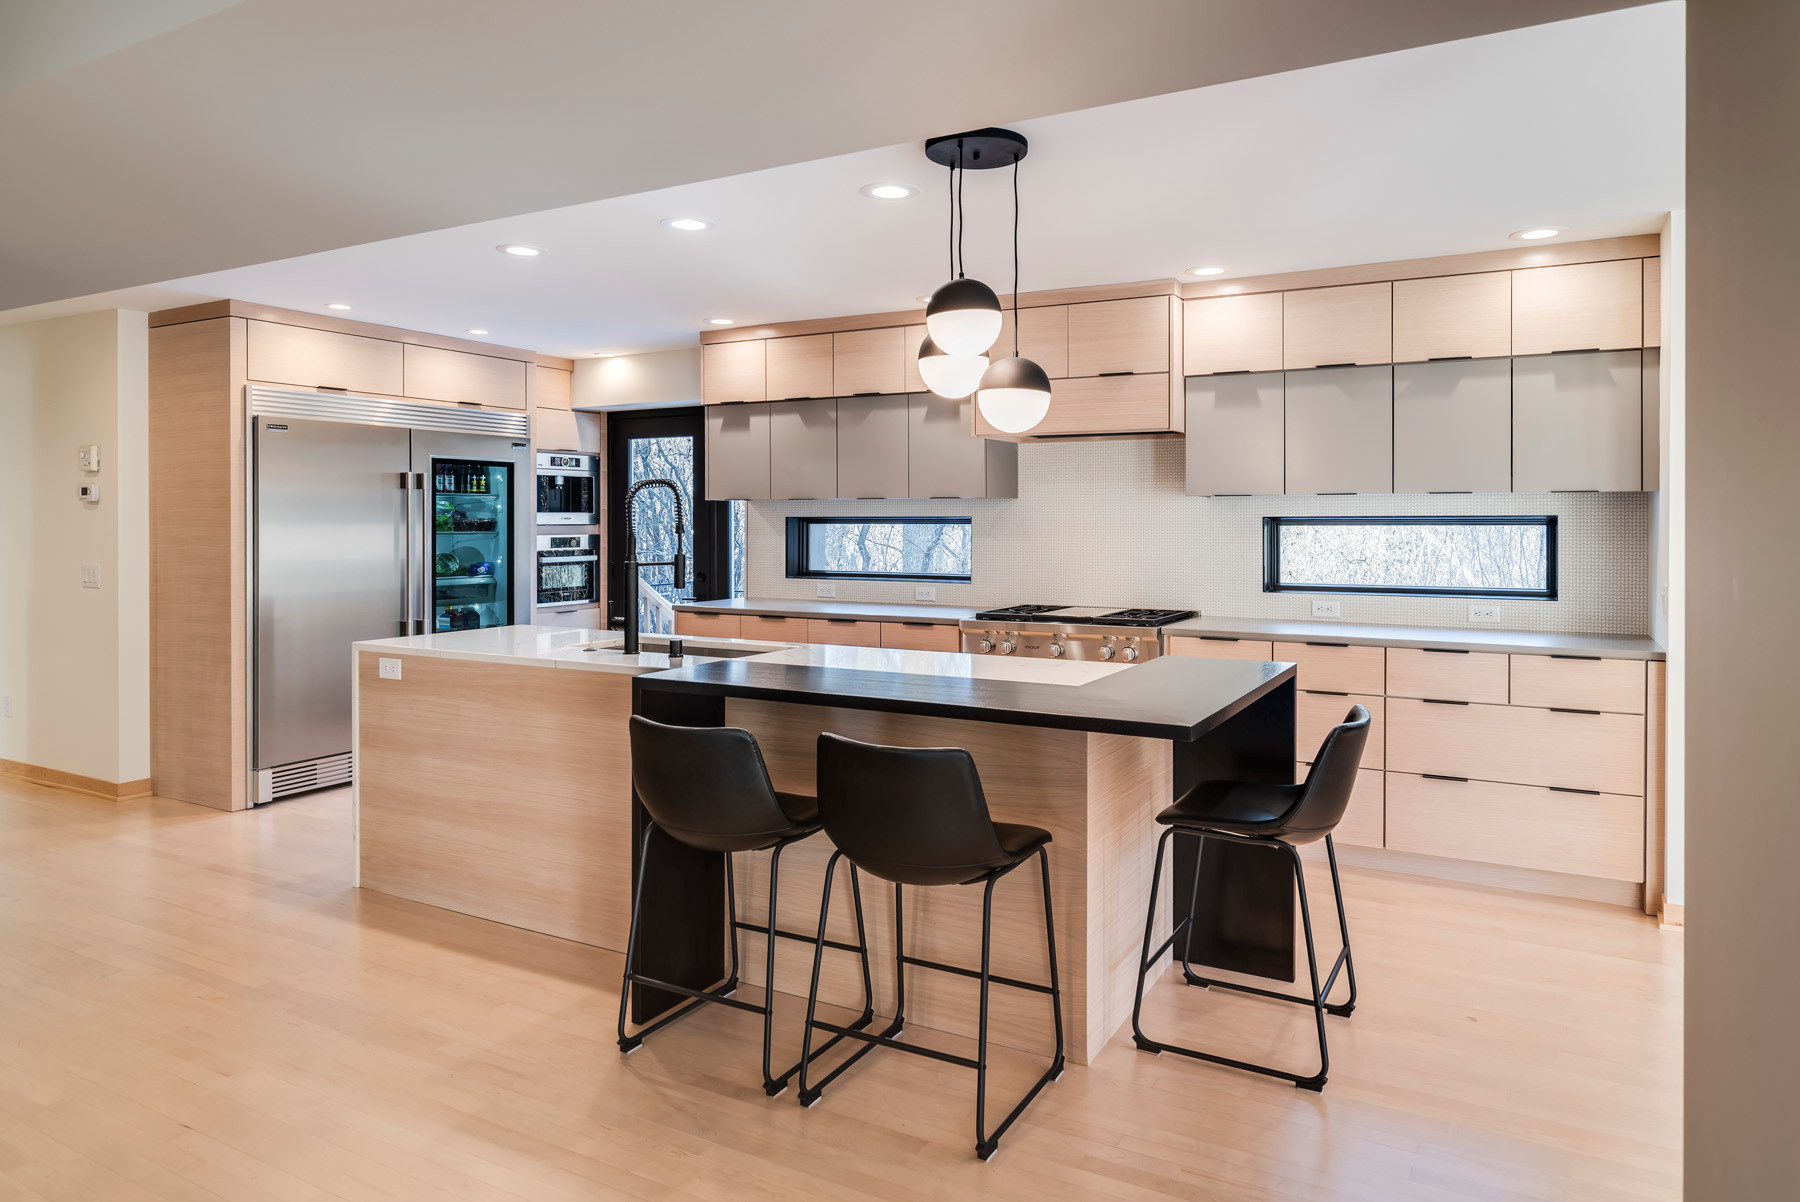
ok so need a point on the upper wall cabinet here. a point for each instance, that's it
(733, 371)
(1453, 317)
(802, 450)
(799, 367)
(1452, 425)
(1231, 333)
(911, 337)
(1234, 435)
(943, 462)
(1578, 307)
(552, 388)
(1578, 422)
(1340, 430)
(307, 358)
(1332, 327)
(872, 446)
(1043, 339)
(434, 374)
(737, 451)
(1119, 336)
(869, 361)
(1124, 404)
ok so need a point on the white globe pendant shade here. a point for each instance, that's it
(950, 376)
(1014, 395)
(963, 317)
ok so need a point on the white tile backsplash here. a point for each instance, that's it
(1107, 523)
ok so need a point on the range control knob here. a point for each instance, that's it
(1006, 646)
(987, 645)
(1107, 650)
(1056, 650)
(1131, 652)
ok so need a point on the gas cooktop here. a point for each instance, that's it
(1085, 615)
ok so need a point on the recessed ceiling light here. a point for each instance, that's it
(923, 300)
(888, 191)
(1206, 271)
(1537, 232)
(478, 331)
(524, 252)
(720, 321)
(606, 354)
(345, 308)
(689, 224)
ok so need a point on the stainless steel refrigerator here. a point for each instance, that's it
(369, 518)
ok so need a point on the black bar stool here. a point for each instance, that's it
(707, 787)
(918, 816)
(1264, 815)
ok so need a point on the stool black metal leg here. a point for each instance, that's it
(808, 1095)
(1187, 947)
(1055, 980)
(731, 921)
(771, 1086)
(1148, 957)
(1315, 1083)
(986, 1146)
(983, 1148)
(632, 1043)
(1337, 891)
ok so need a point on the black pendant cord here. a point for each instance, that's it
(953, 221)
(1015, 297)
(962, 214)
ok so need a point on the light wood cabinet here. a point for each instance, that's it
(868, 361)
(1364, 818)
(1447, 675)
(1578, 422)
(911, 338)
(1453, 426)
(773, 628)
(943, 460)
(1108, 337)
(1652, 302)
(698, 625)
(1348, 324)
(1518, 745)
(1043, 338)
(737, 452)
(1338, 667)
(552, 388)
(921, 636)
(1236, 440)
(1136, 404)
(1453, 317)
(1578, 683)
(1316, 713)
(802, 450)
(567, 430)
(1208, 646)
(733, 371)
(434, 374)
(847, 632)
(1578, 307)
(1591, 834)
(798, 367)
(1231, 334)
(1339, 424)
(872, 446)
(307, 358)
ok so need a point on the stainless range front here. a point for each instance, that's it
(1123, 636)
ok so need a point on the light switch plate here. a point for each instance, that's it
(389, 667)
(90, 575)
(1328, 609)
(828, 590)
(925, 592)
(1484, 613)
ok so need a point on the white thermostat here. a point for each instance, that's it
(90, 458)
(90, 493)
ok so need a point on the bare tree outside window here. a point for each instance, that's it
(928, 548)
(1513, 557)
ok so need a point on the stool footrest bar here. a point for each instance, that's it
(996, 978)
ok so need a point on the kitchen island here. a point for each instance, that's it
(494, 779)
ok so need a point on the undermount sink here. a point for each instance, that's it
(690, 648)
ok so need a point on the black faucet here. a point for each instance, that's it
(679, 563)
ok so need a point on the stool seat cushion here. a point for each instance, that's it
(1238, 806)
(801, 809)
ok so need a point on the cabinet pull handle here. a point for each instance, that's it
(1235, 371)
(1574, 490)
(865, 394)
(335, 388)
(1324, 692)
(841, 621)
(1220, 638)
(1447, 358)
(1575, 350)
(1594, 658)
(470, 404)
(1322, 366)
(1313, 644)
(1116, 373)
(1557, 709)
(1434, 776)
(1232, 494)
(926, 625)
(1440, 701)
(1446, 650)
(1585, 792)
(1336, 494)
(1450, 492)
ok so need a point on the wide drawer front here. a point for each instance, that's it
(921, 636)
(1575, 682)
(1447, 675)
(774, 629)
(845, 631)
(1518, 745)
(1590, 834)
(1362, 823)
(1220, 648)
(1336, 666)
(719, 626)
(1316, 713)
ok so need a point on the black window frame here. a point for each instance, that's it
(1272, 555)
(797, 528)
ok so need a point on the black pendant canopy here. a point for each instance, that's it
(978, 149)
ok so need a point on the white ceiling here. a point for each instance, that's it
(141, 146)
(1437, 150)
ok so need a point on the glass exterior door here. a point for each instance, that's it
(471, 570)
(668, 445)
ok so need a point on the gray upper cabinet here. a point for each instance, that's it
(1578, 422)
(1452, 426)
(1652, 415)
(737, 452)
(1340, 430)
(1234, 435)
(802, 450)
(871, 446)
(945, 459)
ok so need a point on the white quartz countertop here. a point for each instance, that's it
(867, 611)
(555, 647)
(1518, 642)
(944, 663)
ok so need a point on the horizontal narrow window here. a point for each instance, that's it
(882, 548)
(1426, 557)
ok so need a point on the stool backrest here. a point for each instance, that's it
(703, 780)
(1326, 793)
(919, 807)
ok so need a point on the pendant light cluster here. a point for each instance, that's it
(963, 319)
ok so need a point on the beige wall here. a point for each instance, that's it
(73, 660)
(1743, 547)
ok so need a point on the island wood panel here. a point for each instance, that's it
(1220, 648)
(1043, 339)
(434, 374)
(308, 358)
(699, 625)
(1231, 333)
(1578, 307)
(197, 569)
(733, 371)
(1364, 820)
(1453, 317)
(1323, 327)
(1335, 666)
(921, 636)
(771, 628)
(799, 368)
(498, 790)
(1590, 834)
(868, 361)
(1447, 675)
(1518, 745)
(1316, 713)
(1578, 683)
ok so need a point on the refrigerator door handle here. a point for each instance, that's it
(410, 538)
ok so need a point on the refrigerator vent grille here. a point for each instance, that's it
(326, 772)
(375, 411)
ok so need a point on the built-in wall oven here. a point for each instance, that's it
(568, 489)
(568, 570)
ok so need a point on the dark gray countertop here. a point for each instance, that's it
(1518, 642)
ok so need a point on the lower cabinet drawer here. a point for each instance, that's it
(774, 629)
(921, 636)
(1589, 834)
(1518, 745)
(845, 631)
(1316, 713)
(1447, 675)
(1579, 682)
(1220, 648)
(1364, 818)
(1336, 666)
(718, 626)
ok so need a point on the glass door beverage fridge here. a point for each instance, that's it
(471, 544)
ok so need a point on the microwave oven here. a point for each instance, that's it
(567, 487)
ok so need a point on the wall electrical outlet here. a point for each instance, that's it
(6, 706)
(827, 590)
(1328, 609)
(925, 592)
(389, 668)
(1484, 613)
(90, 575)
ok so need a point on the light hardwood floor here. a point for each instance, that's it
(196, 1005)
